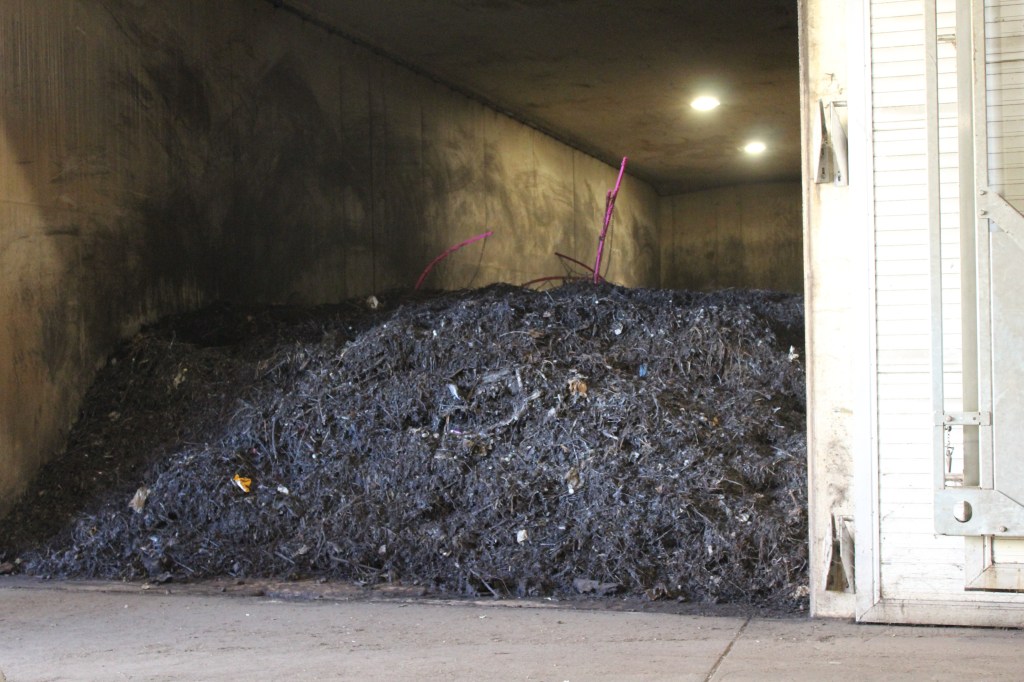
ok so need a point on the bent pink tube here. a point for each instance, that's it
(608, 208)
(583, 265)
(449, 251)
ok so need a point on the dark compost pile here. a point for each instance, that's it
(586, 439)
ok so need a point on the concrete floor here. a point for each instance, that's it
(121, 632)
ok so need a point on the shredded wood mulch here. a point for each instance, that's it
(502, 441)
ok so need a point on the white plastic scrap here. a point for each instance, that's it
(139, 499)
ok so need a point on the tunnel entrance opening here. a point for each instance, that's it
(642, 442)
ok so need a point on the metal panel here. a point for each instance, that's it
(1007, 348)
(1002, 201)
(1008, 378)
(983, 499)
(931, 61)
(966, 37)
(977, 511)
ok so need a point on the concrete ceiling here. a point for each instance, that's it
(613, 77)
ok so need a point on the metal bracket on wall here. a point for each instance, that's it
(977, 511)
(833, 165)
(841, 577)
(1002, 215)
(963, 419)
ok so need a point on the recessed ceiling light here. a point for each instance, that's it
(705, 103)
(755, 147)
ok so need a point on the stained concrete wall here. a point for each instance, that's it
(155, 156)
(747, 236)
(838, 257)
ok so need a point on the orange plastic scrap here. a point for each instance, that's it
(242, 482)
(578, 385)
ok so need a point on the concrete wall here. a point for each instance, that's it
(155, 156)
(748, 236)
(838, 280)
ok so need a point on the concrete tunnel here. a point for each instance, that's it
(159, 157)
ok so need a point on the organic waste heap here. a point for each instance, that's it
(505, 441)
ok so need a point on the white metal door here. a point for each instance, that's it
(982, 497)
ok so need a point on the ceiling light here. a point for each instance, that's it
(705, 103)
(755, 147)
